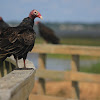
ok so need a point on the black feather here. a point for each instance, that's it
(17, 41)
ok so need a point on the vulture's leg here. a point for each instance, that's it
(24, 63)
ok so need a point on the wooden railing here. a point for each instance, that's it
(66, 49)
(18, 84)
(7, 66)
(73, 75)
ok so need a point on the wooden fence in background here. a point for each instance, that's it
(73, 75)
(42, 73)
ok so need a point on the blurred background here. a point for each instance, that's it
(68, 18)
(75, 22)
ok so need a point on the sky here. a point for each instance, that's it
(52, 10)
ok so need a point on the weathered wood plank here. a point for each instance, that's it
(66, 49)
(68, 76)
(8, 67)
(41, 81)
(54, 75)
(43, 97)
(42, 61)
(85, 77)
(75, 63)
(1, 69)
(75, 67)
(17, 85)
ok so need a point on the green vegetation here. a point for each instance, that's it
(39, 40)
(81, 41)
(61, 56)
(95, 68)
(76, 41)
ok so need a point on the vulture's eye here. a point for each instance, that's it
(35, 12)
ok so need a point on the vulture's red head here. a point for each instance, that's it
(1, 19)
(34, 13)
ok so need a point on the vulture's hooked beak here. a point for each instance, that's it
(40, 17)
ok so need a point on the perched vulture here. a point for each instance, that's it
(18, 41)
(47, 34)
(3, 24)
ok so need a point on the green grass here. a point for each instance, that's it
(61, 56)
(95, 68)
(39, 40)
(76, 41)
(81, 41)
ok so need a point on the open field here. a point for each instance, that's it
(95, 68)
(76, 41)
(81, 41)
(88, 91)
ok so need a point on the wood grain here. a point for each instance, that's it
(17, 85)
(67, 49)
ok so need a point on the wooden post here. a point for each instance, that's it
(75, 67)
(8, 66)
(2, 68)
(41, 82)
(5, 68)
(13, 67)
(17, 85)
(1, 65)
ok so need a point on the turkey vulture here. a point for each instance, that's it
(47, 34)
(3, 24)
(18, 41)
